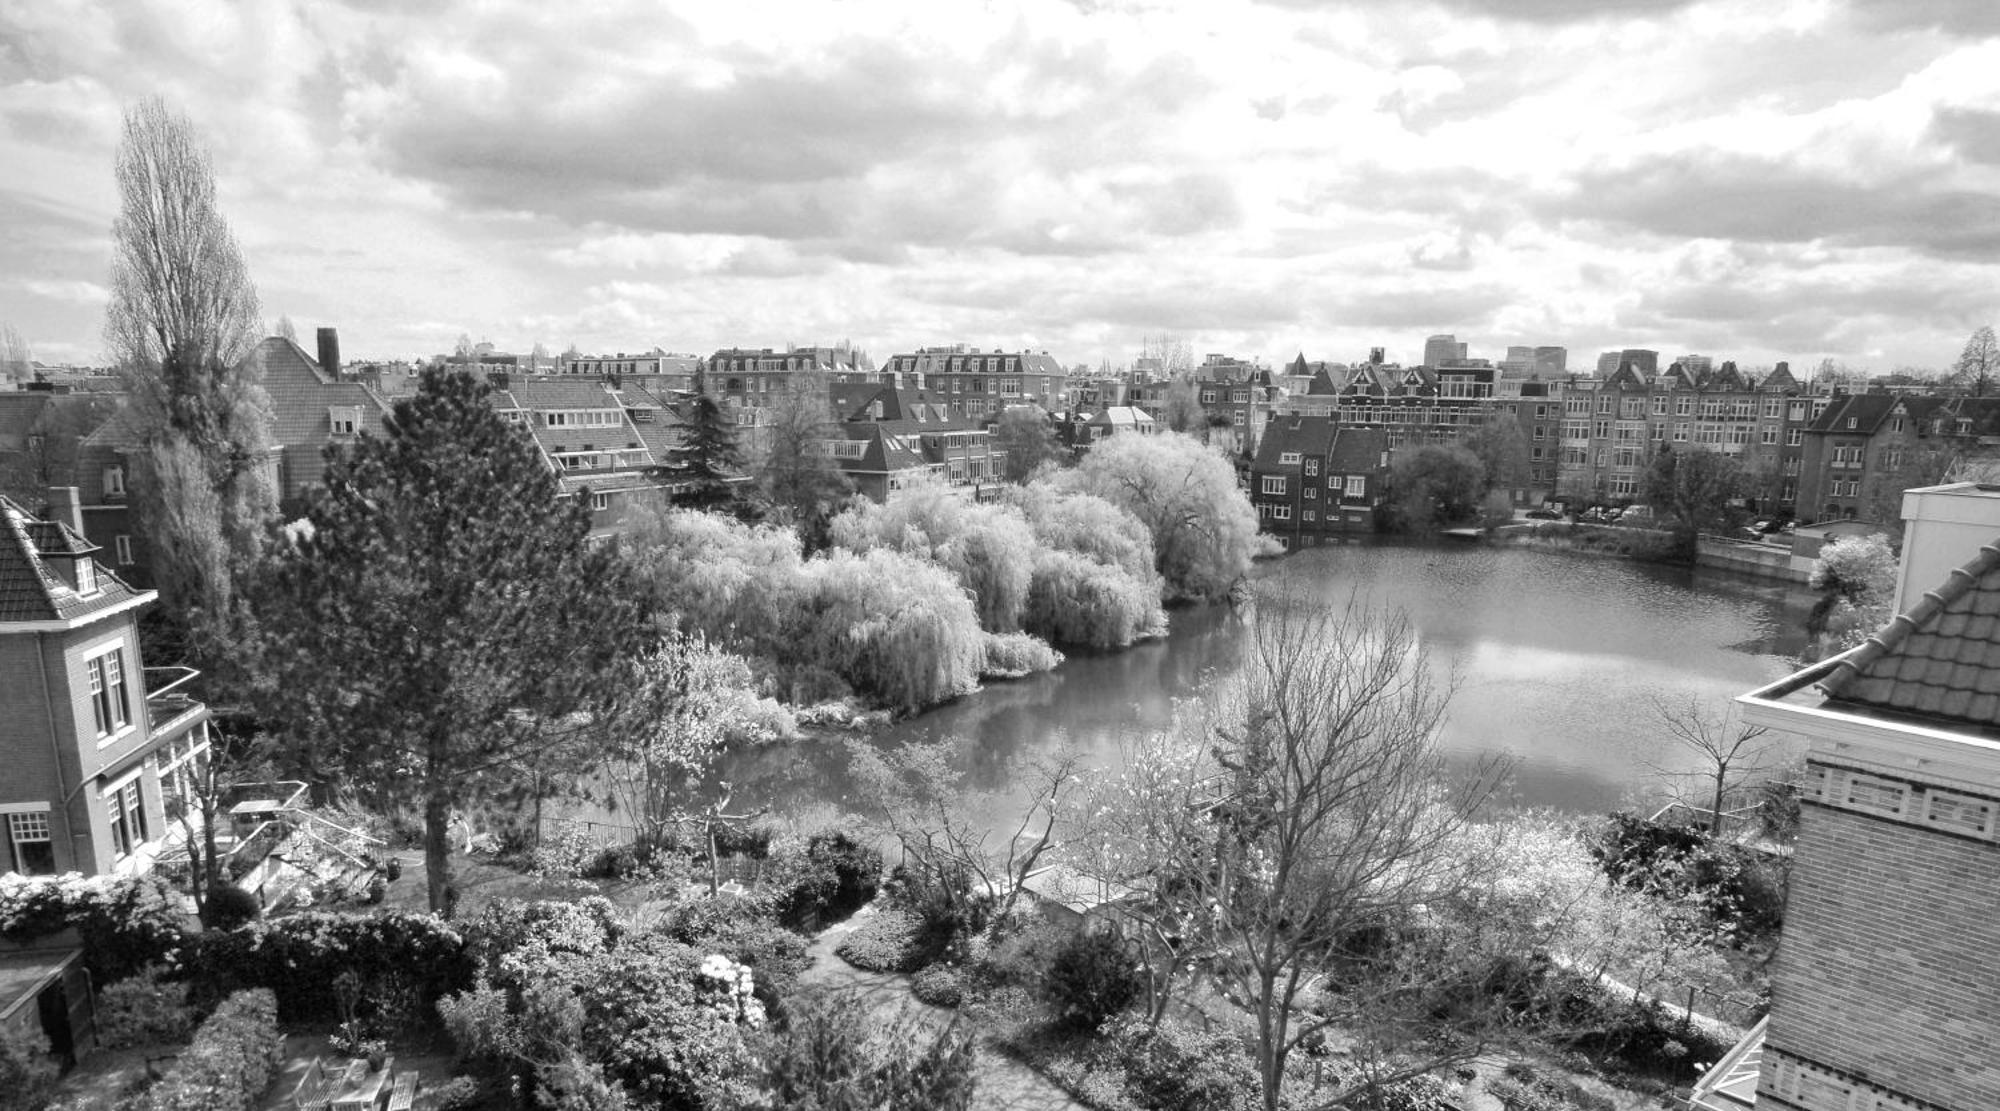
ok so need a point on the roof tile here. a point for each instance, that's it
(1939, 659)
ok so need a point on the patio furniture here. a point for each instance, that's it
(361, 1089)
(405, 1095)
(315, 1090)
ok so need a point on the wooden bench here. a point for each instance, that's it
(315, 1090)
(405, 1095)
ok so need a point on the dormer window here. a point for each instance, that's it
(344, 420)
(114, 481)
(86, 576)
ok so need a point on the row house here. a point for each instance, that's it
(977, 383)
(1314, 479)
(1614, 425)
(1239, 398)
(1536, 406)
(590, 436)
(894, 437)
(1414, 405)
(656, 370)
(1865, 449)
(749, 378)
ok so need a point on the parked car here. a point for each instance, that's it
(1636, 514)
(1544, 515)
(1597, 515)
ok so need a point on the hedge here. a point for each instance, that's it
(299, 958)
(231, 1061)
(123, 922)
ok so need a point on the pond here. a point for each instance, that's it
(1557, 659)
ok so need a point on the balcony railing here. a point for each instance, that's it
(166, 699)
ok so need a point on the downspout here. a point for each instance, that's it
(55, 745)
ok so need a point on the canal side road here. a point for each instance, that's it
(1005, 1084)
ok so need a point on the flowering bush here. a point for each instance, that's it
(124, 922)
(142, 1010)
(231, 1061)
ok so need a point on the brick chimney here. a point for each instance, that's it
(329, 351)
(67, 507)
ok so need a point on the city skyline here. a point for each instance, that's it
(1758, 181)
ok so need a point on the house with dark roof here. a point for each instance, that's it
(94, 741)
(977, 383)
(590, 436)
(1313, 480)
(892, 437)
(1864, 450)
(1885, 992)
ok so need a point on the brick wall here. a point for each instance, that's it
(1888, 971)
(26, 729)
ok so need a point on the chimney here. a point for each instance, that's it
(65, 506)
(329, 351)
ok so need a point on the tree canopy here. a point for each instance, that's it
(1978, 363)
(438, 626)
(1024, 434)
(1204, 531)
(1434, 485)
(1692, 489)
(710, 460)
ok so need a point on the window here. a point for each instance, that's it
(1794, 437)
(1312, 491)
(1660, 406)
(1288, 458)
(1208, 397)
(345, 419)
(114, 481)
(1274, 484)
(1769, 434)
(1238, 414)
(1312, 466)
(600, 502)
(1281, 513)
(1357, 485)
(121, 546)
(34, 851)
(1311, 514)
(86, 576)
(108, 700)
(1684, 406)
(127, 812)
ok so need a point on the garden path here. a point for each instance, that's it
(1005, 1084)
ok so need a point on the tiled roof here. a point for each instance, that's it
(1311, 436)
(1867, 410)
(1940, 659)
(1357, 449)
(29, 589)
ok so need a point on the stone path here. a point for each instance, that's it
(1005, 1084)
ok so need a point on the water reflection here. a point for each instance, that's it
(1557, 660)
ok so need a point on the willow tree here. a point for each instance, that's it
(441, 632)
(989, 548)
(183, 326)
(1203, 529)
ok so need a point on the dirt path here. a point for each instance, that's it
(1004, 1083)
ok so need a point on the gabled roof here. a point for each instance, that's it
(1121, 416)
(29, 589)
(1322, 384)
(1309, 436)
(1357, 449)
(1867, 410)
(1627, 377)
(1780, 380)
(1940, 660)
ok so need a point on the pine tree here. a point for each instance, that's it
(439, 631)
(710, 460)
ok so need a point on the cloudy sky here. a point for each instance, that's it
(1750, 179)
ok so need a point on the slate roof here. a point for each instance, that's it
(1357, 449)
(29, 589)
(19, 411)
(1940, 660)
(1779, 380)
(1309, 436)
(1866, 409)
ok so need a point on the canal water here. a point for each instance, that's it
(1558, 661)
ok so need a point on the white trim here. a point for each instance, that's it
(144, 597)
(122, 781)
(24, 807)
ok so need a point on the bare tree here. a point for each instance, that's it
(182, 326)
(1167, 357)
(1979, 363)
(286, 329)
(1731, 751)
(1181, 409)
(1318, 825)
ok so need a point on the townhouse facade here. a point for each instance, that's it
(745, 378)
(891, 438)
(976, 383)
(591, 436)
(656, 370)
(100, 747)
(1863, 450)
(1314, 481)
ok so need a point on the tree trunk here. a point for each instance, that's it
(437, 851)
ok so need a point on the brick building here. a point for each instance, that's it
(1312, 480)
(1885, 992)
(979, 383)
(890, 438)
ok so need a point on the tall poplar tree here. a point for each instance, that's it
(183, 327)
(440, 632)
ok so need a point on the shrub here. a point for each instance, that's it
(1177, 1066)
(672, 1035)
(886, 942)
(949, 911)
(460, 1093)
(124, 923)
(732, 928)
(1525, 1088)
(940, 985)
(512, 941)
(1091, 978)
(229, 906)
(830, 877)
(1012, 655)
(478, 1023)
(141, 1010)
(397, 957)
(831, 1055)
(28, 1074)
(231, 1061)
(566, 851)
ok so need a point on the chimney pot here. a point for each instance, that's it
(329, 351)
(65, 506)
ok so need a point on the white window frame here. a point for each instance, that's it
(96, 679)
(599, 503)
(1357, 486)
(1274, 484)
(121, 547)
(24, 811)
(114, 480)
(119, 815)
(344, 420)
(1288, 458)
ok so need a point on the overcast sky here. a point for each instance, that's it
(1749, 179)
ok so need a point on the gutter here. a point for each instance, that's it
(1769, 706)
